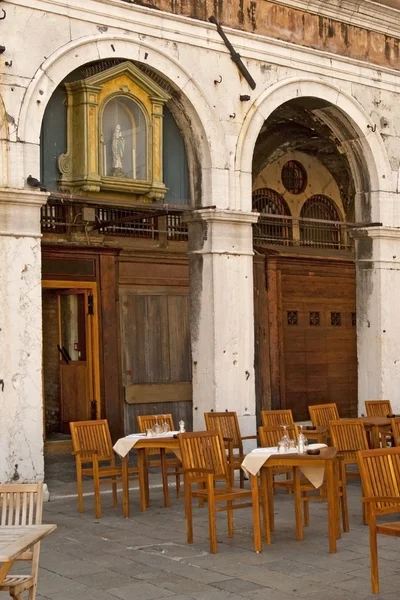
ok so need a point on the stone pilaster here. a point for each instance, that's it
(222, 314)
(378, 322)
(21, 410)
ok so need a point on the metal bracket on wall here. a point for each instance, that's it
(235, 56)
(2, 384)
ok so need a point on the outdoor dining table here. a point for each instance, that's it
(326, 460)
(15, 540)
(164, 443)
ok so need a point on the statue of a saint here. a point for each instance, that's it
(118, 148)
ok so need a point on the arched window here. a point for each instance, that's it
(124, 139)
(320, 235)
(269, 229)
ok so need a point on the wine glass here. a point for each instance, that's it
(302, 441)
(166, 426)
(283, 445)
(157, 428)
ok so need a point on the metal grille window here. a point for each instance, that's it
(322, 234)
(294, 177)
(126, 223)
(176, 230)
(54, 217)
(273, 230)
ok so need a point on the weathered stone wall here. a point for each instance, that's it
(286, 23)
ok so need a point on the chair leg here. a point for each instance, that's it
(212, 524)
(96, 483)
(188, 511)
(16, 595)
(373, 546)
(345, 512)
(241, 478)
(178, 483)
(79, 486)
(297, 503)
(230, 519)
(306, 509)
(32, 592)
(114, 492)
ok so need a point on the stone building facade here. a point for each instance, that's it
(326, 82)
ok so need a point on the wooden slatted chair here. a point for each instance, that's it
(227, 424)
(348, 437)
(94, 457)
(380, 476)
(322, 414)
(395, 429)
(276, 417)
(378, 408)
(173, 464)
(22, 504)
(205, 464)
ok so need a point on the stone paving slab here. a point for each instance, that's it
(146, 557)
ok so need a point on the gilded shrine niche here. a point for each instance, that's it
(114, 134)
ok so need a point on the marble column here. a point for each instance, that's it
(222, 314)
(21, 410)
(378, 322)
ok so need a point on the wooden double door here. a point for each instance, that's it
(311, 332)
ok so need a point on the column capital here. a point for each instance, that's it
(381, 232)
(209, 215)
(20, 212)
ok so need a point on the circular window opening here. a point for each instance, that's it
(294, 177)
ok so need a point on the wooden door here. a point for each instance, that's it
(77, 364)
(317, 343)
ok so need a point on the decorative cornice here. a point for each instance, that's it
(381, 232)
(209, 215)
(20, 212)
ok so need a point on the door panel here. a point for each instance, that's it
(318, 336)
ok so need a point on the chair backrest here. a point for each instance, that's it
(395, 429)
(348, 436)
(146, 422)
(203, 450)
(92, 435)
(271, 435)
(378, 408)
(380, 476)
(227, 424)
(276, 417)
(22, 504)
(322, 414)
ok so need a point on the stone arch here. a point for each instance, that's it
(353, 127)
(205, 139)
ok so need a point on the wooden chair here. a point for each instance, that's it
(227, 424)
(276, 417)
(380, 476)
(92, 445)
(270, 436)
(322, 414)
(205, 464)
(395, 429)
(22, 504)
(348, 437)
(146, 422)
(378, 408)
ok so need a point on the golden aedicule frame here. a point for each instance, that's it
(81, 165)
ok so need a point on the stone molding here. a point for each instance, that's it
(209, 215)
(376, 232)
(20, 212)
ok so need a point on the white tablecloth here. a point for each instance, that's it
(255, 460)
(125, 444)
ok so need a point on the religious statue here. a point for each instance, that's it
(118, 148)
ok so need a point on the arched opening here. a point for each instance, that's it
(115, 270)
(305, 153)
(270, 229)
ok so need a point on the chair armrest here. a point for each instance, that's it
(249, 437)
(374, 500)
(88, 452)
(227, 439)
(200, 471)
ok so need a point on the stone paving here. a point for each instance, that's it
(146, 557)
